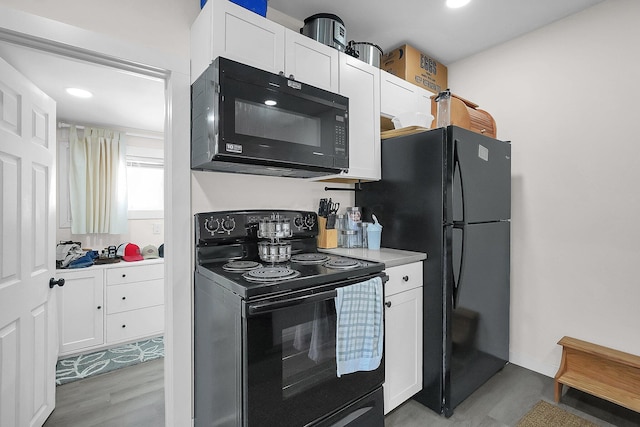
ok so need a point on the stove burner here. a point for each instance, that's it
(270, 274)
(309, 258)
(342, 263)
(240, 266)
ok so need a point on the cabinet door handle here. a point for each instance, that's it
(124, 275)
(124, 326)
(388, 303)
(99, 307)
(405, 278)
(124, 298)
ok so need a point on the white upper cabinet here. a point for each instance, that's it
(225, 29)
(360, 82)
(310, 61)
(400, 96)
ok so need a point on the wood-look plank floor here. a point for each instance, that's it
(134, 397)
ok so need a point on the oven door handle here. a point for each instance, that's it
(266, 307)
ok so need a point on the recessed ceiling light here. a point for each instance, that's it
(80, 93)
(454, 4)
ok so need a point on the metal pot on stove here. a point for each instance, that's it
(274, 251)
(274, 228)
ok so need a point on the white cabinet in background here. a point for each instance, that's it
(225, 29)
(135, 302)
(400, 96)
(403, 334)
(80, 309)
(102, 306)
(360, 82)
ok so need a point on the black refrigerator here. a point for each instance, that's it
(447, 192)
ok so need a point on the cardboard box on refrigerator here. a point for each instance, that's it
(416, 67)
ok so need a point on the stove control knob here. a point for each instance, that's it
(228, 224)
(309, 221)
(211, 224)
(298, 222)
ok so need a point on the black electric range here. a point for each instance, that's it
(228, 239)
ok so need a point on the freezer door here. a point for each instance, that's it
(480, 168)
(477, 309)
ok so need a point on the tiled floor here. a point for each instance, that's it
(134, 397)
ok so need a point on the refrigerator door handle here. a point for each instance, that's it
(456, 283)
(457, 170)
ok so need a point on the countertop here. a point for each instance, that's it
(120, 264)
(390, 257)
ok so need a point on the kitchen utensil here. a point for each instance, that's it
(327, 29)
(366, 52)
(274, 228)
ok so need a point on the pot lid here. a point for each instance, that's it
(323, 15)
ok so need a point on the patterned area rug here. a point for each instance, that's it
(86, 365)
(544, 414)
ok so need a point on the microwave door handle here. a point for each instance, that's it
(266, 307)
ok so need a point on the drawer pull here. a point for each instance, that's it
(124, 275)
(405, 278)
(124, 326)
(388, 303)
(124, 298)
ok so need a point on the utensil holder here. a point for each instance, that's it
(327, 239)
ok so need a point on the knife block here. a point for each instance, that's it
(327, 239)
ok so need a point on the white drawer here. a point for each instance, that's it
(132, 296)
(135, 273)
(403, 277)
(135, 324)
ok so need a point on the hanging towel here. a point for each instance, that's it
(359, 331)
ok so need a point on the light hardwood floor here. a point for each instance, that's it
(134, 397)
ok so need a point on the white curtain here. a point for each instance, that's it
(97, 182)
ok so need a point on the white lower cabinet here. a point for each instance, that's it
(403, 334)
(80, 309)
(102, 306)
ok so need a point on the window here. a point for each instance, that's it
(145, 183)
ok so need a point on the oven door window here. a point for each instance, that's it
(267, 123)
(292, 366)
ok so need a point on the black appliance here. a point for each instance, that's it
(264, 347)
(247, 120)
(447, 192)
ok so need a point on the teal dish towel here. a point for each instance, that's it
(359, 327)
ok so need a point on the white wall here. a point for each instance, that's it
(567, 97)
(161, 24)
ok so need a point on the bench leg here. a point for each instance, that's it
(558, 391)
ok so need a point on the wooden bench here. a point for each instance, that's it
(603, 372)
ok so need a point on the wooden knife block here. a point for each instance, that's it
(327, 239)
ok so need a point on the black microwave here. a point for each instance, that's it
(246, 120)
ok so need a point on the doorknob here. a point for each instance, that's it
(53, 282)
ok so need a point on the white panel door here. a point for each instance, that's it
(28, 342)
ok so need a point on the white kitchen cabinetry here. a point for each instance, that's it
(360, 82)
(403, 334)
(225, 29)
(400, 96)
(135, 298)
(80, 309)
(102, 306)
